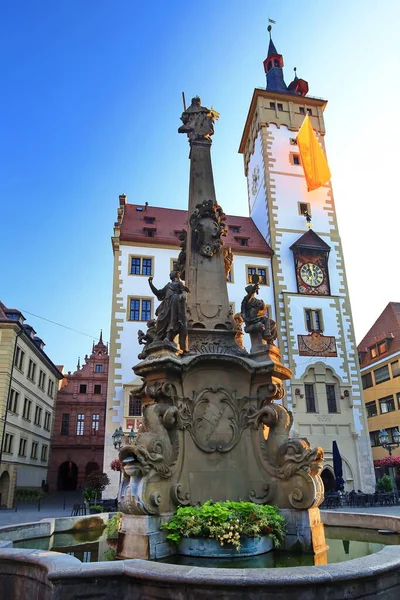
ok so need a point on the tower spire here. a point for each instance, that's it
(273, 67)
(101, 337)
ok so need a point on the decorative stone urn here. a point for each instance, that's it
(208, 547)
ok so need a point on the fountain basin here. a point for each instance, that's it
(206, 547)
(50, 575)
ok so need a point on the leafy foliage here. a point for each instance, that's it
(96, 508)
(26, 494)
(113, 526)
(97, 481)
(89, 495)
(110, 554)
(228, 522)
(384, 484)
(116, 465)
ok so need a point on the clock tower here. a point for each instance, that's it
(312, 306)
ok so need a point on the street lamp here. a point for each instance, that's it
(390, 446)
(131, 437)
(118, 438)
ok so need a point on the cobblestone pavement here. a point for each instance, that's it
(373, 510)
(51, 506)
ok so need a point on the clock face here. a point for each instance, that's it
(311, 274)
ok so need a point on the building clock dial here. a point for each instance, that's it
(311, 274)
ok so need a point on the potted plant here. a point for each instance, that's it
(96, 482)
(226, 529)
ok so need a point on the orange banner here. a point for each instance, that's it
(315, 165)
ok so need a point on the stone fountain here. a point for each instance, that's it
(214, 423)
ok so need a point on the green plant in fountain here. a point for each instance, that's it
(113, 526)
(227, 522)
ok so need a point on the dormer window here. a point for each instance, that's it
(13, 316)
(379, 348)
(234, 228)
(149, 231)
(149, 220)
(243, 241)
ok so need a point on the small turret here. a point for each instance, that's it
(298, 86)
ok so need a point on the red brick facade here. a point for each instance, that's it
(77, 444)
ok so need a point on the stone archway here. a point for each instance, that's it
(90, 467)
(67, 476)
(4, 488)
(328, 480)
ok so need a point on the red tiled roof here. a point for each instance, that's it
(387, 326)
(168, 222)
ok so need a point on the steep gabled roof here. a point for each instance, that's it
(166, 224)
(311, 241)
(386, 327)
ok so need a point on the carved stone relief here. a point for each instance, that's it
(208, 226)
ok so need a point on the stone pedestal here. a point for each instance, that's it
(141, 537)
(305, 532)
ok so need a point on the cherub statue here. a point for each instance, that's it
(254, 313)
(171, 313)
(147, 338)
(239, 335)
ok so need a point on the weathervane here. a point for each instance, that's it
(269, 28)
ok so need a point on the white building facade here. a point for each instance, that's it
(313, 312)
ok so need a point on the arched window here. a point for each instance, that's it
(276, 62)
(135, 406)
(322, 389)
(269, 65)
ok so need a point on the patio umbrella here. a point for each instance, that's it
(337, 466)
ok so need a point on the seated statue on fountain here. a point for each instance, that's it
(171, 313)
(145, 339)
(261, 328)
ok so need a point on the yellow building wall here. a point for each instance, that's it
(383, 421)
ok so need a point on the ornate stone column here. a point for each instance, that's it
(204, 269)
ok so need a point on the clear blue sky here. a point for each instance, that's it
(90, 106)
